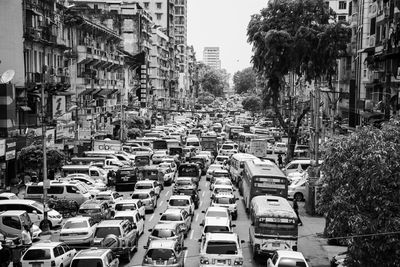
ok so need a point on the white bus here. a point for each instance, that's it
(274, 225)
(236, 166)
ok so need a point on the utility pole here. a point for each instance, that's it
(317, 123)
(45, 226)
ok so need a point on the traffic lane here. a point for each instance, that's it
(151, 220)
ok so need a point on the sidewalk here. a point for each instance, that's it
(311, 243)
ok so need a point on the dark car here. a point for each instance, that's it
(191, 191)
(98, 210)
(190, 170)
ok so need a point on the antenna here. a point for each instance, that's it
(7, 76)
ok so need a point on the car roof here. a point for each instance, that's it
(222, 186)
(125, 213)
(217, 221)
(221, 171)
(180, 197)
(78, 219)
(145, 181)
(92, 253)
(92, 203)
(127, 201)
(143, 191)
(170, 225)
(45, 244)
(221, 237)
(12, 212)
(290, 254)
(162, 243)
(7, 194)
(224, 194)
(213, 208)
(107, 223)
(174, 211)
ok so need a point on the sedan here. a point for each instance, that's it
(177, 215)
(287, 258)
(78, 230)
(110, 196)
(148, 198)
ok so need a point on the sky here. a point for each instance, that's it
(222, 23)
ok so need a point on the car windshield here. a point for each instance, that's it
(129, 218)
(220, 174)
(221, 190)
(140, 196)
(160, 254)
(216, 213)
(143, 186)
(290, 262)
(215, 229)
(163, 233)
(86, 263)
(178, 202)
(37, 254)
(121, 207)
(225, 200)
(89, 211)
(221, 247)
(103, 197)
(102, 232)
(227, 147)
(75, 224)
(170, 217)
(184, 182)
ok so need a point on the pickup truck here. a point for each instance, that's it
(118, 235)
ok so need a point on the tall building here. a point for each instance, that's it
(181, 42)
(211, 57)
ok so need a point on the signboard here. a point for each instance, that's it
(50, 137)
(59, 105)
(65, 132)
(2, 147)
(114, 145)
(84, 134)
(10, 155)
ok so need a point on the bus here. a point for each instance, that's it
(262, 177)
(236, 167)
(244, 140)
(274, 225)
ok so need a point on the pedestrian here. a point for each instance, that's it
(296, 210)
(280, 161)
(26, 237)
(5, 256)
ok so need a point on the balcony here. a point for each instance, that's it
(33, 78)
(33, 33)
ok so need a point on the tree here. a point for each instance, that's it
(252, 104)
(244, 80)
(31, 159)
(360, 194)
(212, 80)
(294, 36)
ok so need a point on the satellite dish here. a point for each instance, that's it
(7, 76)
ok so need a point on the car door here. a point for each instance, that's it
(112, 260)
(186, 218)
(139, 223)
(141, 209)
(69, 253)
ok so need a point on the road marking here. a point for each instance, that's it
(151, 218)
(184, 259)
(197, 216)
(204, 192)
(200, 204)
(191, 234)
(161, 202)
(167, 193)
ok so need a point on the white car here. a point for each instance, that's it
(221, 159)
(78, 230)
(297, 190)
(86, 179)
(222, 189)
(148, 184)
(46, 253)
(168, 163)
(216, 212)
(148, 198)
(110, 196)
(211, 169)
(181, 202)
(220, 181)
(280, 148)
(228, 149)
(158, 156)
(228, 201)
(287, 258)
(100, 256)
(177, 215)
(7, 195)
(143, 151)
(134, 217)
(131, 204)
(221, 249)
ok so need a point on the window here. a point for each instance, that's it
(342, 5)
(146, 5)
(72, 189)
(372, 28)
(158, 5)
(12, 221)
(159, 15)
(58, 251)
(55, 190)
(342, 18)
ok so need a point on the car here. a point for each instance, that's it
(219, 174)
(148, 198)
(110, 196)
(222, 188)
(228, 149)
(164, 253)
(167, 231)
(120, 235)
(148, 185)
(177, 215)
(181, 202)
(169, 163)
(98, 210)
(131, 204)
(221, 159)
(211, 169)
(228, 201)
(184, 182)
(78, 230)
(216, 212)
(220, 181)
(143, 150)
(287, 258)
(132, 216)
(297, 190)
(169, 173)
(221, 249)
(190, 191)
(47, 253)
(99, 257)
(216, 225)
(86, 179)
(280, 148)
(7, 195)
(158, 156)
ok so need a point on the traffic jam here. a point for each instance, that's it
(188, 193)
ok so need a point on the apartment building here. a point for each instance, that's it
(211, 57)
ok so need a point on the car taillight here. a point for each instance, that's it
(238, 261)
(204, 260)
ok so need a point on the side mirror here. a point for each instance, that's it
(34, 212)
(134, 226)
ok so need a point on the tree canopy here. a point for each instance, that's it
(252, 103)
(360, 194)
(212, 80)
(301, 37)
(244, 80)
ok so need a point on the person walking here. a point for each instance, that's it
(280, 161)
(5, 256)
(296, 210)
(26, 237)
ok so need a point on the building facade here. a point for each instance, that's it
(211, 57)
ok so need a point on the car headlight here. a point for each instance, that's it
(238, 261)
(204, 260)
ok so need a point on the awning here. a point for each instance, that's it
(25, 108)
(87, 92)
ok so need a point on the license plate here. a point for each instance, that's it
(275, 244)
(36, 264)
(159, 262)
(220, 261)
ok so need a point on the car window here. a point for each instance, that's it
(12, 221)
(58, 251)
(72, 189)
(65, 247)
(292, 167)
(37, 254)
(221, 247)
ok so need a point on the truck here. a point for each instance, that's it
(209, 143)
(258, 148)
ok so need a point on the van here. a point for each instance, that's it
(70, 190)
(34, 209)
(298, 165)
(93, 171)
(13, 222)
(194, 141)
